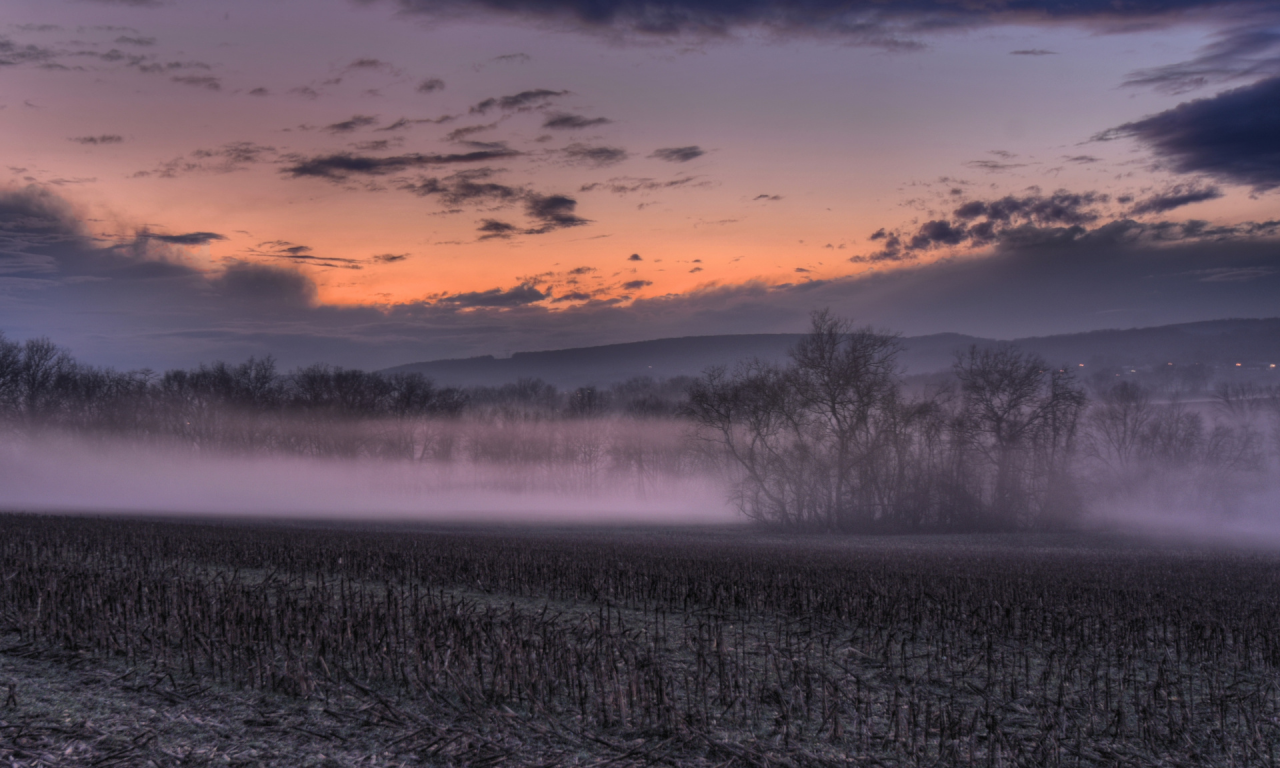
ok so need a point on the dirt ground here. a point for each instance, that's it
(66, 710)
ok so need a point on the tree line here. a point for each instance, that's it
(319, 410)
(835, 439)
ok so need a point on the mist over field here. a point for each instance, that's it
(66, 474)
(833, 439)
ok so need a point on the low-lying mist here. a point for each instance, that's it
(70, 474)
(834, 441)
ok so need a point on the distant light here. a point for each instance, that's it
(1237, 365)
(1082, 365)
(1273, 365)
(1168, 363)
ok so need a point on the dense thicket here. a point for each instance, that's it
(833, 440)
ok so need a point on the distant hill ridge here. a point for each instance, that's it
(1247, 341)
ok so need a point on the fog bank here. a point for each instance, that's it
(61, 474)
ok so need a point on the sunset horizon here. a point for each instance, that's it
(374, 183)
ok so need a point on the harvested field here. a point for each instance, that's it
(131, 642)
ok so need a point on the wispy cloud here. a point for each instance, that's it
(188, 238)
(106, 138)
(566, 121)
(1175, 197)
(678, 154)
(521, 100)
(355, 123)
(343, 165)
(598, 157)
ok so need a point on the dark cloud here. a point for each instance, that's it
(678, 154)
(134, 40)
(406, 122)
(343, 165)
(465, 187)
(548, 212)
(624, 185)
(522, 100)
(302, 254)
(430, 85)
(1234, 136)
(768, 198)
(1032, 52)
(243, 282)
(259, 92)
(571, 296)
(598, 157)
(634, 257)
(286, 248)
(938, 232)
(553, 212)
(495, 297)
(1061, 217)
(461, 134)
(199, 81)
(564, 120)
(892, 26)
(189, 238)
(635, 285)
(390, 258)
(492, 228)
(1175, 197)
(107, 138)
(354, 124)
(33, 220)
(1061, 207)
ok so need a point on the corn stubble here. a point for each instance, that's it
(454, 647)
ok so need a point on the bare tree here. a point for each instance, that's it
(808, 437)
(1120, 425)
(10, 381)
(846, 381)
(1022, 417)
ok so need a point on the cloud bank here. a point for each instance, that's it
(1233, 136)
(134, 303)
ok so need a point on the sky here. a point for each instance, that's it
(369, 183)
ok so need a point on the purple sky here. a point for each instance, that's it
(378, 182)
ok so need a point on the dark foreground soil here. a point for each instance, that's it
(68, 711)
(180, 644)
